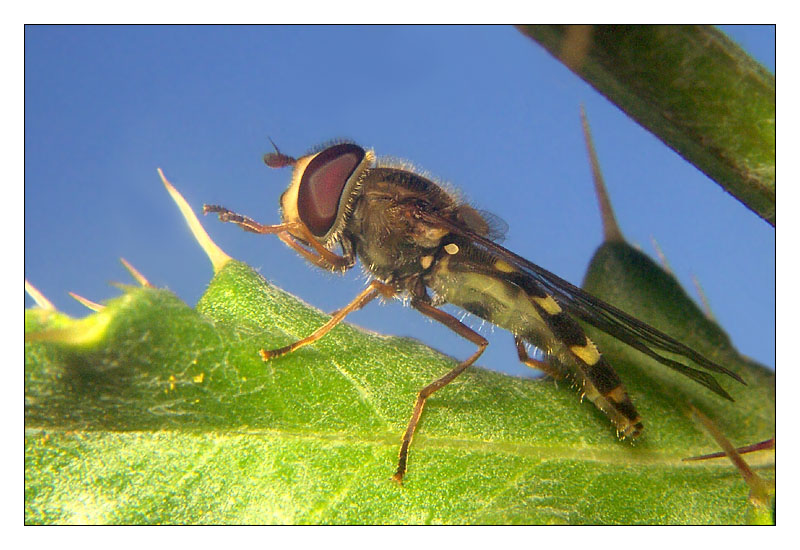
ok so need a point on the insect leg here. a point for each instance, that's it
(760, 446)
(462, 330)
(372, 291)
(597, 379)
(529, 361)
(286, 232)
(323, 257)
(248, 224)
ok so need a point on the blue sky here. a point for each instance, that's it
(484, 108)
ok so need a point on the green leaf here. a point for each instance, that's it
(626, 277)
(692, 87)
(150, 411)
(168, 415)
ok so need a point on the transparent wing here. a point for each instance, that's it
(497, 227)
(604, 316)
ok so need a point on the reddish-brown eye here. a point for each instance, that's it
(322, 184)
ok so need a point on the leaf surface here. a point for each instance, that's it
(170, 416)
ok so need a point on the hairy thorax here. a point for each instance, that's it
(390, 242)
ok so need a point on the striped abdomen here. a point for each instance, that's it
(493, 290)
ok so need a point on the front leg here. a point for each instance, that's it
(248, 224)
(289, 233)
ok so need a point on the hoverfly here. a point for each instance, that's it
(420, 242)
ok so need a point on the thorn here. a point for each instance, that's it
(125, 287)
(662, 258)
(760, 446)
(38, 297)
(86, 302)
(703, 298)
(215, 253)
(759, 489)
(611, 230)
(135, 273)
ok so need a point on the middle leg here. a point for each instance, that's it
(462, 330)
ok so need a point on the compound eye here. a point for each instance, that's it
(322, 184)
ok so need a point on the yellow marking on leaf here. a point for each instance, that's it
(199, 378)
(547, 303)
(81, 332)
(588, 352)
(215, 253)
